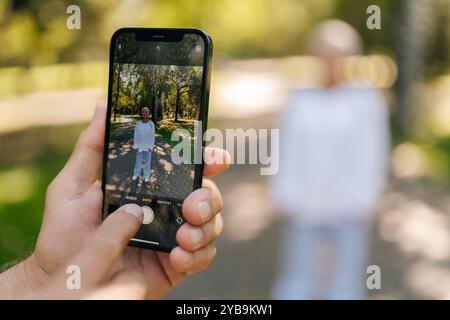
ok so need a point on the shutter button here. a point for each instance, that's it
(149, 215)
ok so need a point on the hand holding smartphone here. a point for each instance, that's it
(158, 95)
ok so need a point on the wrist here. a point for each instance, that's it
(22, 279)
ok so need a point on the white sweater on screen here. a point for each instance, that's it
(144, 136)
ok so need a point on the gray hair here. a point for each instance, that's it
(335, 36)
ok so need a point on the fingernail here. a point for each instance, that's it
(134, 210)
(204, 209)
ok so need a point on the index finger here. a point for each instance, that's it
(86, 160)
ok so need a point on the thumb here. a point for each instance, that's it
(106, 245)
(100, 252)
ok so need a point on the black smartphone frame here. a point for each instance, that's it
(161, 34)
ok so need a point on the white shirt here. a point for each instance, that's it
(334, 147)
(144, 136)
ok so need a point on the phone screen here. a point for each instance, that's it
(156, 99)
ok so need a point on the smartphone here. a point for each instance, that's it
(157, 99)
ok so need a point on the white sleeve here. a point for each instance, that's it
(280, 189)
(135, 135)
(375, 149)
(153, 133)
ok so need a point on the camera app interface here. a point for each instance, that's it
(156, 90)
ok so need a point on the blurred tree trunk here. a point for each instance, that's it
(177, 105)
(414, 21)
(158, 107)
(116, 106)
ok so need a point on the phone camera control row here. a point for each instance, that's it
(149, 216)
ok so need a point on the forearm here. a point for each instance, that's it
(21, 280)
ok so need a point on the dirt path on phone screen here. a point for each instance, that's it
(165, 178)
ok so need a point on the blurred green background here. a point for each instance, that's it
(51, 77)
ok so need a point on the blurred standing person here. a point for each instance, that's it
(333, 164)
(143, 142)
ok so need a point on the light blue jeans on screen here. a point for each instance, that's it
(147, 155)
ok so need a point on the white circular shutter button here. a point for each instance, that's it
(149, 215)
